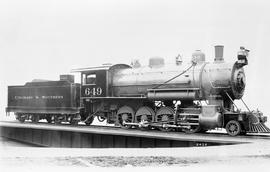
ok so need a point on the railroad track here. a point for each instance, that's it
(213, 133)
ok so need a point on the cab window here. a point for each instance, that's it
(89, 79)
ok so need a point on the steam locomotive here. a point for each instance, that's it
(190, 97)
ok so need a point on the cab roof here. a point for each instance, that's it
(102, 67)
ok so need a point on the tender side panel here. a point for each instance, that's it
(42, 98)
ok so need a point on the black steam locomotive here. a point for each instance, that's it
(192, 97)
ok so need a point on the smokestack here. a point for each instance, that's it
(219, 53)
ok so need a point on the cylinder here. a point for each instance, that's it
(219, 53)
(210, 117)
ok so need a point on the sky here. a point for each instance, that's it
(43, 39)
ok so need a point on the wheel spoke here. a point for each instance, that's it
(125, 118)
(165, 115)
(125, 114)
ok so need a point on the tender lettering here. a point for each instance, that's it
(52, 97)
(24, 97)
(38, 97)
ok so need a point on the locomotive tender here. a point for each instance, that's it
(192, 97)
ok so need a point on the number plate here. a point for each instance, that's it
(95, 91)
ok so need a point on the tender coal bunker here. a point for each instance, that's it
(69, 139)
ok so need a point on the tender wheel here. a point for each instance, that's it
(233, 128)
(165, 115)
(125, 115)
(74, 122)
(89, 121)
(35, 118)
(74, 119)
(20, 118)
(57, 119)
(48, 119)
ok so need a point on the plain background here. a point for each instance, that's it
(43, 39)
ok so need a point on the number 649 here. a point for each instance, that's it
(93, 91)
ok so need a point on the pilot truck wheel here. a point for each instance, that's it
(233, 128)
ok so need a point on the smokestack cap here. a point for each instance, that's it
(219, 53)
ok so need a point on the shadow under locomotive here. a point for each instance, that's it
(70, 137)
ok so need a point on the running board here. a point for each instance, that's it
(147, 124)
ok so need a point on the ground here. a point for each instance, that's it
(255, 156)
(250, 157)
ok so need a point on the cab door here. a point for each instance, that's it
(94, 84)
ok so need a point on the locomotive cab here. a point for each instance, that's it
(96, 92)
(94, 83)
